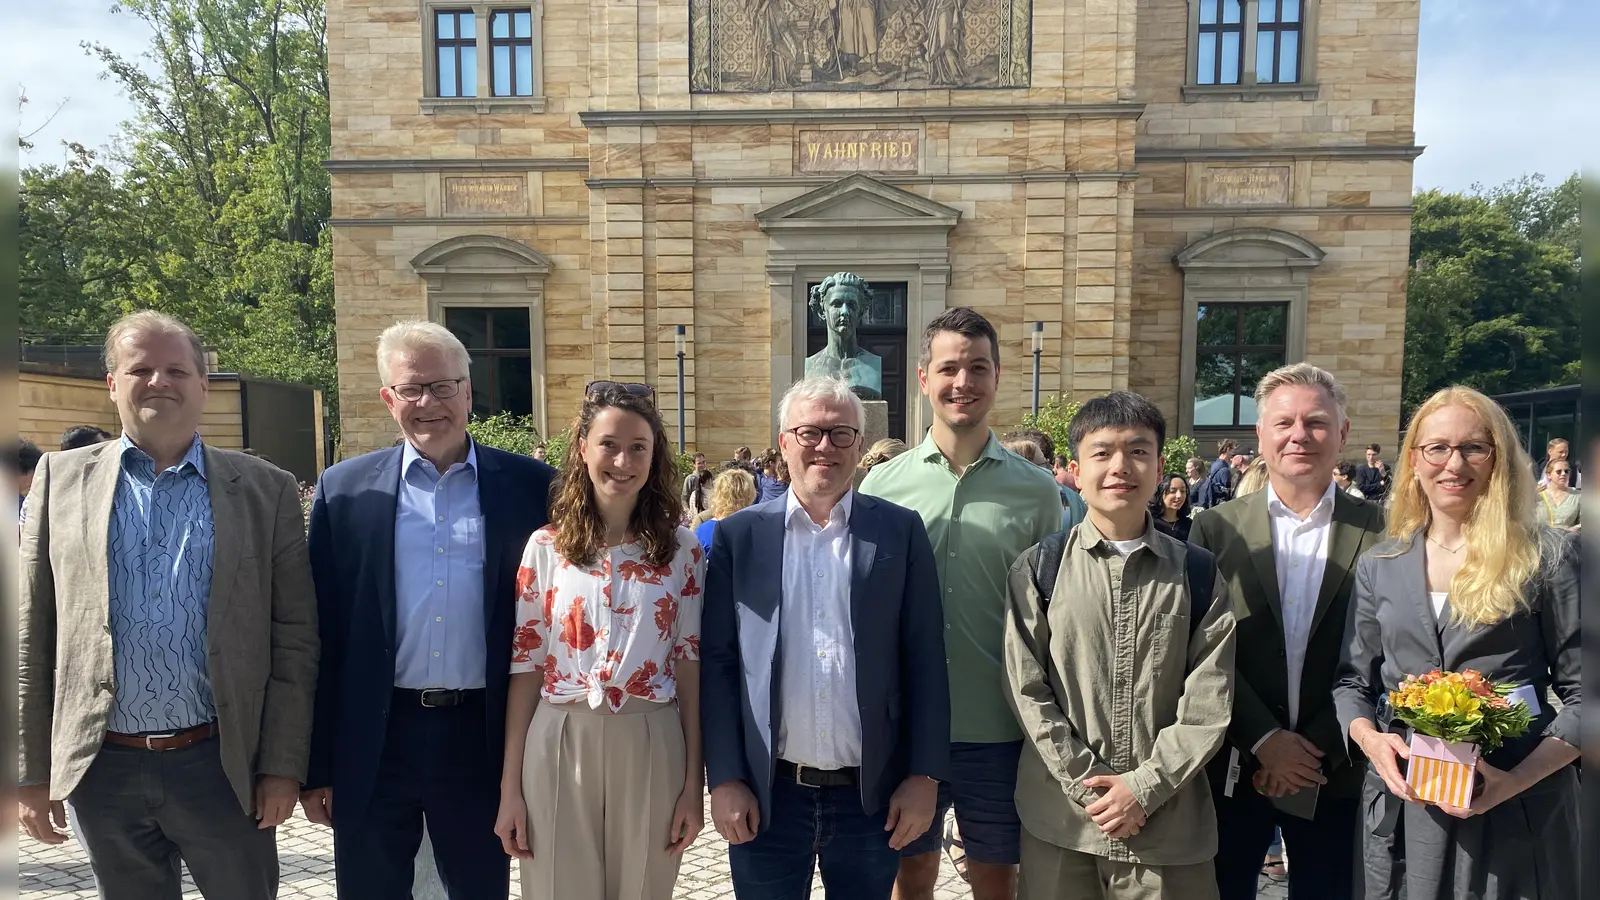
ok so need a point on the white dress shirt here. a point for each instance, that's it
(820, 725)
(1300, 551)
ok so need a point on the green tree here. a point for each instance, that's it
(1492, 298)
(216, 210)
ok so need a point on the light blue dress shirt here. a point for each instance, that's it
(438, 575)
(159, 558)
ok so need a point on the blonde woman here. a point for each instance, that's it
(1558, 501)
(881, 452)
(733, 490)
(1470, 578)
(1253, 479)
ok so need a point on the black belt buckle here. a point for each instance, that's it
(439, 698)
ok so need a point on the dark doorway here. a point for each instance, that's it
(883, 331)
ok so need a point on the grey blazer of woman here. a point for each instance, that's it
(1527, 846)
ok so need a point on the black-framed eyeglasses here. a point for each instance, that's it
(840, 436)
(442, 390)
(1472, 451)
(636, 388)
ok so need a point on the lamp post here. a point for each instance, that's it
(1038, 348)
(678, 340)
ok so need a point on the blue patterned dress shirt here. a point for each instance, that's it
(438, 575)
(159, 557)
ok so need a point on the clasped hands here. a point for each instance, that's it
(1117, 812)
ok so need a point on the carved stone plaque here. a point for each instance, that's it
(858, 45)
(858, 151)
(1245, 186)
(502, 196)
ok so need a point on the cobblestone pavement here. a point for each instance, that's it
(305, 855)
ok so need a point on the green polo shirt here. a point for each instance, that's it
(979, 524)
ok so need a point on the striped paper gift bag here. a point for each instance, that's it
(1442, 771)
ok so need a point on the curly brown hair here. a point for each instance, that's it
(580, 531)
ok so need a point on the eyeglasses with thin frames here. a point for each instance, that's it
(1473, 452)
(442, 390)
(840, 436)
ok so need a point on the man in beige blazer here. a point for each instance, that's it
(167, 641)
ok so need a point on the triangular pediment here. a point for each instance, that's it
(858, 202)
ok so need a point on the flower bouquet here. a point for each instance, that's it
(1454, 717)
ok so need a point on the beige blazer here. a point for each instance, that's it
(261, 629)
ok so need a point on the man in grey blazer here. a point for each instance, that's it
(1288, 553)
(824, 697)
(167, 641)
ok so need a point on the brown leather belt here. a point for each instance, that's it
(170, 740)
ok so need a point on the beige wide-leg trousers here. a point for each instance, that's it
(1049, 872)
(600, 789)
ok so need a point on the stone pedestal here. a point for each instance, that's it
(875, 422)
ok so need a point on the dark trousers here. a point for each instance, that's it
(139, 812)
(435, 767)
(822, 828)
(1322, 852)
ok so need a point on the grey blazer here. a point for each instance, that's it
(1391, 631)
(261, 623)
(898, 621)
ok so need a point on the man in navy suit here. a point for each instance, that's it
(825, 704)
(414, 550)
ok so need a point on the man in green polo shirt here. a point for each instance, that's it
(983, 506)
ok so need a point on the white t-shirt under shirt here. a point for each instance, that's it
(1124, 548)
(1438, 598)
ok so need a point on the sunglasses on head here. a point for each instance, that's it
(596, 388)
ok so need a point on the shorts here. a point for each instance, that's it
(983, 788)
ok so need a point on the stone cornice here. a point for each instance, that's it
(1145, 154)
(485, 221)
(1238, 211)
(424, 164)
(819, 180)
(996, 112)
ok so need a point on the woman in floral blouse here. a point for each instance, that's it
(603, 780)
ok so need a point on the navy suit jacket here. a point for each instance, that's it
(352, 562)
(897, 617)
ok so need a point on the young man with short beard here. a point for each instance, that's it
(983, 507)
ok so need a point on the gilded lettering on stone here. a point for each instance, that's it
(1245, 186)
(479, 195)
(867, 150)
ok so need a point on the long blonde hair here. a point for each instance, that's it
(1504, 539)
(732, 490)
(1254, 478)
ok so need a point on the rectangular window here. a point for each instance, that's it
(1278, 42)
(1236, 344)
(511, 49)
(499, 341)
(1221, 42)
(455, 37)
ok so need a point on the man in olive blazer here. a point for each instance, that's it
(1269, 545)
(167, 641)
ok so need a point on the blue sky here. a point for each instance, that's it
(1505, 87)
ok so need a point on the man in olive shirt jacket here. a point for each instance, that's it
(983, 507)
(1122, 680)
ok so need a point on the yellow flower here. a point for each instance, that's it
(1439, 701)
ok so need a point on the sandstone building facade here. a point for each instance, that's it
(1185, 193)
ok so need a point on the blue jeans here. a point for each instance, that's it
(816, 827)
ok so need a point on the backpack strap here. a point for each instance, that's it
(1200, 567)
(1046, 563)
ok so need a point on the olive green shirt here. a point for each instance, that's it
(1108, 681)
(979, 523)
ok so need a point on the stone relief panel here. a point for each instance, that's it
(858, 45)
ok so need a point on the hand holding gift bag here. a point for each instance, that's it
(1455, 717)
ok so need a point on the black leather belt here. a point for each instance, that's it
(807, 776)
(439, 698)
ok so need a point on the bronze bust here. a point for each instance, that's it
(841, 301)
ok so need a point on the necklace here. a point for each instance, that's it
(1444, 548)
